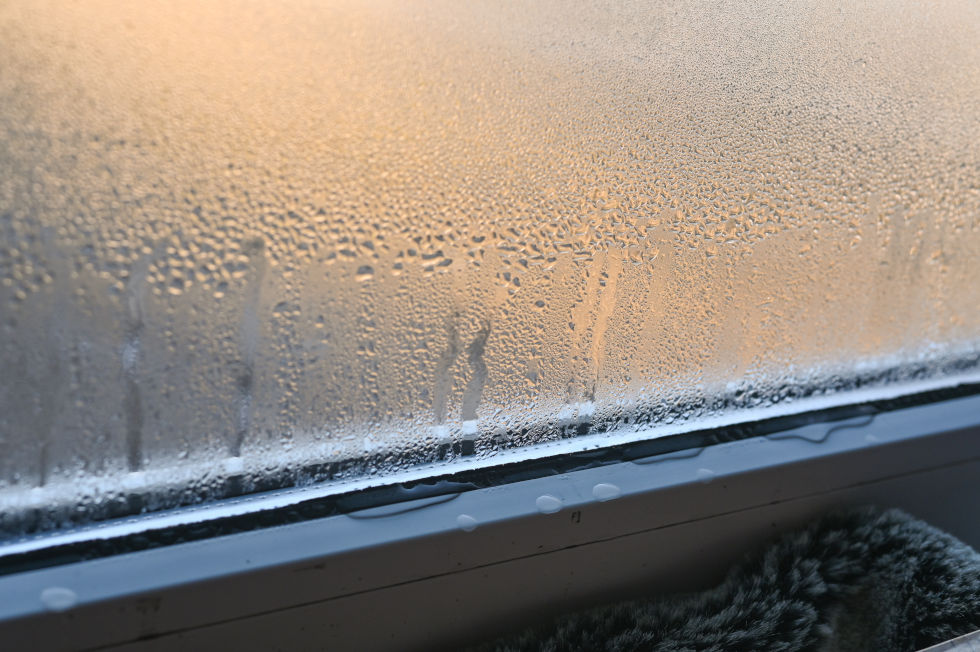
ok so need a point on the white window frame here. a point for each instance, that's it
(442, 570)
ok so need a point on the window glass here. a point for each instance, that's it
(346, 239)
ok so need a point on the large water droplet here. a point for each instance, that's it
(466, 522)
(548, 504)
(58, 598)
(605, 491)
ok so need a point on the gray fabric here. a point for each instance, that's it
(862, 579)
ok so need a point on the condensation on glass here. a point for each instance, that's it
(250, 238)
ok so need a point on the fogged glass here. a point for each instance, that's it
(344, 239)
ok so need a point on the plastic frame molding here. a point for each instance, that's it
(442, 570)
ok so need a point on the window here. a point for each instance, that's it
(292, 292)
(250, 248)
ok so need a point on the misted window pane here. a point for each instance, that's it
(240, 238)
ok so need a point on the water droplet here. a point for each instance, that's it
(58, 598)
(442, 434)
(466, 522)
(234, 465)
(605, 491)
(365, 273)
(548, 504)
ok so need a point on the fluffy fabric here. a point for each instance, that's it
(857, 580)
